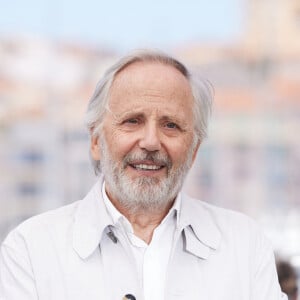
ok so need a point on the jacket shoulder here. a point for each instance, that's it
(228, 221)
(56, 221)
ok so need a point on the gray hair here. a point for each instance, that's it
(98, 104)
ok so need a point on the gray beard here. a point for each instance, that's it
(143, 194)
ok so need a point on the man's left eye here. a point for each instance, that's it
(171, 125)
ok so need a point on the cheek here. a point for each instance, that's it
(119, 144)
(179, 151)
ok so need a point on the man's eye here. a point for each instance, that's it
(171, 125)
(131, 121)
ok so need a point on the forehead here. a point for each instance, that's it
(152, 81)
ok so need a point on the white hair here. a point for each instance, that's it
(98, 104)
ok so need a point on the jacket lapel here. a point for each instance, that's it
(199, 227)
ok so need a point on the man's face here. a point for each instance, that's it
(147, 142)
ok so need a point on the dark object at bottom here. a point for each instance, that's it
(129, 297)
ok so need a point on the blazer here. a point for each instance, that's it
(68, 253)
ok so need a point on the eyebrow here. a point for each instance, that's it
(128, 114)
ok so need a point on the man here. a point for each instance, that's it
(135, 235)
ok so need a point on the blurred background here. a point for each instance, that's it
(53, 52)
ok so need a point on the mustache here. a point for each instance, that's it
(155, 157)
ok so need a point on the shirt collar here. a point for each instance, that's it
(112, 211)
(174, 210)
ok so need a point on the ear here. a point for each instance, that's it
(196, 151)
(95, 147)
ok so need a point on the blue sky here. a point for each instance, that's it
(124, 24)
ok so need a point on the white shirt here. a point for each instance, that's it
(66, 254)
(152, 259)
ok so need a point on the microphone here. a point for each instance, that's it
(129, 297)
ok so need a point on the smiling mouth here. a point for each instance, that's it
(144, 167)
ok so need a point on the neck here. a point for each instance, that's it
(144, 224)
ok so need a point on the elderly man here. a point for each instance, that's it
(135, 235)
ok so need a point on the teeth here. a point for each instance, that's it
(147, 167)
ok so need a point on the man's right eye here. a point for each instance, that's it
(131, 121)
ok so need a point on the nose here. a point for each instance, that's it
(150, 139)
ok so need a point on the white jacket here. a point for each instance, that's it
(65, 254)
